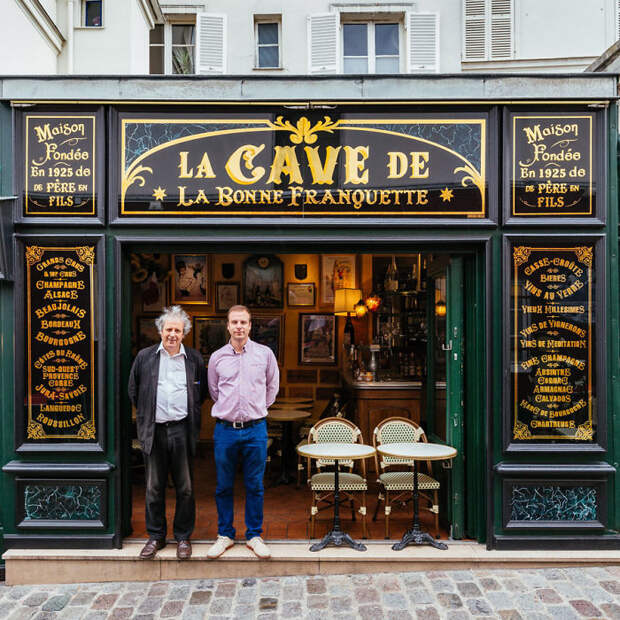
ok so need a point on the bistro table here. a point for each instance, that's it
(279, 405)
(287, 417)
(417, 451)
(336, 452)
(291, 400)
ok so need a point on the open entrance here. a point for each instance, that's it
(362, 336)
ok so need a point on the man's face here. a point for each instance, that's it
(239, 325)
(172, 336)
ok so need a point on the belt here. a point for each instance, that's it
(171, 422)
(239, 425)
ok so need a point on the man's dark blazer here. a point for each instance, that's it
(143, 393)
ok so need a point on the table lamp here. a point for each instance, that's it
(345, 300)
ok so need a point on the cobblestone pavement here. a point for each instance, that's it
(530, 594)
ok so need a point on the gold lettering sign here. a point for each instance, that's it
(304, 165)
(552, 165)
(60, 340)
(60, 165)
(552, 343)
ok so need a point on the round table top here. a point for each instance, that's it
(278, 405)
(290, 400)
(333, 450)
(287, 415)
(419, 450)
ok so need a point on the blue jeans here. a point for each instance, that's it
(250, 446)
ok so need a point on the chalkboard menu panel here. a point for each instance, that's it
(60, 165)
(552, 343)
(60, 339)
(554, 165)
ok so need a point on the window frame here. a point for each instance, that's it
(371, 40)
(267, 20)
(168, 46)
(83, 23)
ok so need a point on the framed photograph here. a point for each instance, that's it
(190, 279)
(317, 338)
(337, 271)
(300, 294)
(147, 332)
(263, 282)
(226, 295)
(269, 330)
(210, 334)
(153, 295)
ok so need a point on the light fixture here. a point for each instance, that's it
(360, 309)
(440, 297)
(373, 302)
(441, 308)
(345, 300)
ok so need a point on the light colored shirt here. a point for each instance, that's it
(242, 385)
(171, 386)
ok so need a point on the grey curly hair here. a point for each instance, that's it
(173, 313)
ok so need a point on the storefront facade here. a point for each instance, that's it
(513, 184)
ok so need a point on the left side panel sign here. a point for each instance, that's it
(59, 165)
(60, 389)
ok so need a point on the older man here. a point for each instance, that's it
(243, 381)
(167, 385)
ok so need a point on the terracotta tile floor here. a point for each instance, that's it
(286, 510)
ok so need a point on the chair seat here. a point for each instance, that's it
(346, 482)
(403, 481)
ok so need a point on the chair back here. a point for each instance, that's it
(396, 430)
(335, 429)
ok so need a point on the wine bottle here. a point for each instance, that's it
(390, 283)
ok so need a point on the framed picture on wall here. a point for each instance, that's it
(268, 329)
(190, 279)
(153, 295)
(300, 294)
(226, 295)
(317, 338)
(263, 282)
(210, 334)
(147, 332)
(337, 271)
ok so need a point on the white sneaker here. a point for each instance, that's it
(219, 546)
(257, 545)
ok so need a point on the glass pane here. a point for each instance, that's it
(268, 56)
(268, 33)
(356, 65)
(182, 35)
(182, 60)
(355, 39)
(156, 59)
(386, 39)
(387, 65)
(92, 10)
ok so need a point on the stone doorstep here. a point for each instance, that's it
(288, 558)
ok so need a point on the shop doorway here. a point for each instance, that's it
(420, 338)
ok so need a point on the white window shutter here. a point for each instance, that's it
(323, 43)
(423, 42)
(474, 30)
(210, 43)
(501, 29)
(617, 19)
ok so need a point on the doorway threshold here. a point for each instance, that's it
(289, 557)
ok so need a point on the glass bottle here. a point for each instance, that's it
(390, 283)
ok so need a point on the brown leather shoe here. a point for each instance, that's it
(184, 550)
(153, 545)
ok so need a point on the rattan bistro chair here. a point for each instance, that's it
(352, 486)
(397, 486)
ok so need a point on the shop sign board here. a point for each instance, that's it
(553, 164)
(60, 165)
(290, 163)
(552, 343)
(60, 340)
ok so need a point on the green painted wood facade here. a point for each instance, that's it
(487, 469)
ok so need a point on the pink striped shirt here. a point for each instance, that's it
(242, 385)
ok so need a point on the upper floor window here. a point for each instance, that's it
(488, 29)
(267, 35)
(172, 49)
(92, 13)
(371, 47)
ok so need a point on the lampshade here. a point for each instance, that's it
(345, 300)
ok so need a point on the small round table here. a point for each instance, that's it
(417, 451)
(291, 400)
(287, 417)
(336, 452)
(278, 405)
